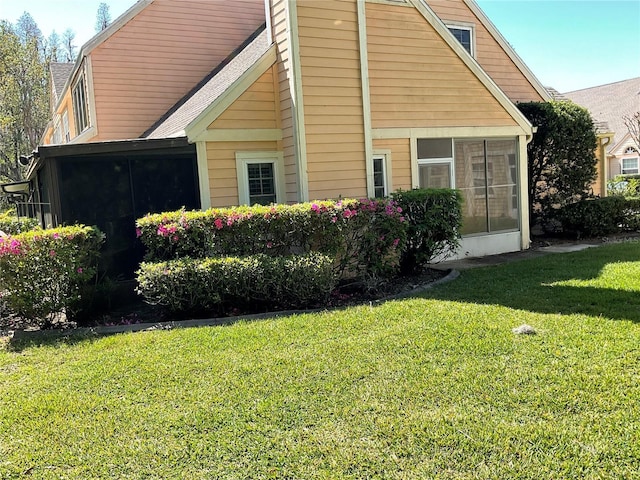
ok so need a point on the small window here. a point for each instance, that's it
(262, 183)
(435, 163)
(630, 150)
(380, 188)
(464, 35)
(260, 177)
(80, 111)
(629, 166)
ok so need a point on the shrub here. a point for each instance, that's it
(189, 285)
(434, 218)
(561, 158)
(624, 185)
(632, 214)
(10, 224)
(364, 236)
(42, 271)
(594, 217)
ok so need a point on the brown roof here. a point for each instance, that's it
(176, 119)
(59, 74)
(611, 103)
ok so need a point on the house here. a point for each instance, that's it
(288, 101)
(612, 103)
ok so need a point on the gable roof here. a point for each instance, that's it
(60, 72)
(602, 126)
(211, 88)
(611, 103)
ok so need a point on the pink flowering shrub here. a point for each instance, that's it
(211, 285)
(42, 271)
(363, 236)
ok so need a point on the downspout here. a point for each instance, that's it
(605, 162)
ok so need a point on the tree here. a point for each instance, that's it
(103, 17)
(24, 100)
(561, 157)
(632, 122)
(68, 48)
(54, 48)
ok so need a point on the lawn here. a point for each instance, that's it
(432, 387)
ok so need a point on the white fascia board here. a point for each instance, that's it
(200, 124)
(475, 68)
(515, 58)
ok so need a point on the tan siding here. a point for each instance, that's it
(332, 90)
(280, 27)
(400, 160)
(417, 80)
(490, 55)
(221, 160)
(158, 56)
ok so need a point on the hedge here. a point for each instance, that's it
(42, 271)
(256, 281)
(364, 236)
(434, 218)
(10, 224)
(600, 216)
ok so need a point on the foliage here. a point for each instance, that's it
(434, 218)
(201, 285)
(103, 17)
(10, 224)
(593, 217)
(625, 185)
(364, 236)
(425, 388)
(42, 271)
(562, 161)
(24, 99)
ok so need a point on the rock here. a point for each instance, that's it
(524, 329)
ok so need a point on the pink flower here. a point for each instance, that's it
(315, 207)
(395, 242)
(402, 219)
(79, 270)
(269, 244)
(175, 238)
(218, 223)
(399, 210)
(138, 232)
(56, 236)
(334, 219)
(52, 253)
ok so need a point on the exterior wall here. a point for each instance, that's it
(223, 180)
(283, 86)
(255, 108)
(417, 80)
(332, 96)
(400, 161)
(144, 68)
(489, 54)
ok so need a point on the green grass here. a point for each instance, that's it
(433, 387)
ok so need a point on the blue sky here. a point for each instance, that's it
(568, 44)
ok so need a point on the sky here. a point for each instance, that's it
(568, 44)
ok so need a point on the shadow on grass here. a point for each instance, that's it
(536, 285)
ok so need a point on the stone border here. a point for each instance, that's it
(22, 335)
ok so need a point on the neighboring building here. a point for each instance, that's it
(612, 103)
(317, 99)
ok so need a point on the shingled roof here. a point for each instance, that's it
(59, 74)
(611, 103)
(213, 86)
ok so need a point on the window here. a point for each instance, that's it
(260, 177)
(80, 112)
(486, 173)
(435, 163)
(57, 133)
(629, 166)
(464, 35)
(65, 128)
(380, 176)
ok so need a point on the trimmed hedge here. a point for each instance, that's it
(12, 225)
(42, 271)
(364, 236)
(434, 219)
(201, 285)
(600, 216)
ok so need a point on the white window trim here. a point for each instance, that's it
(637, 167)
(385, 155)
(465, 26)
(427, 161)
(245, 158)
